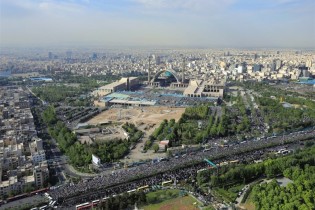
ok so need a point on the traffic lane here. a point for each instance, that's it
(32, 201)
(182, 176)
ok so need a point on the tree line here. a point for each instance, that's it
(200, 122)
(297, 195)
(299, 167)
(283, 119)
(127, 201)
(81, 154)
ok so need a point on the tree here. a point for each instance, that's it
(151, 199)
(155, 147)
(28, 188)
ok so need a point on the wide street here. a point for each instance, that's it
(28, 201)
(95, 188)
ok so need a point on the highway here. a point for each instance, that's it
(106, 184)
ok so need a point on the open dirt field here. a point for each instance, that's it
(147, 118)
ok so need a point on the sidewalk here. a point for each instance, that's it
(81, 174)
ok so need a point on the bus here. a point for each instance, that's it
(39, 191)
(43, 207)
(206, 149)
(53, 203)
(143, 188)
(95, 202)
(17, 197)
(283, 151)
(167, 182)
(203, 169)
(82, 205)
(223, 163)
(131, 191)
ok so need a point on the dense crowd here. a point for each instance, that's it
(180, 168)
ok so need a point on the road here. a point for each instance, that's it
(58, 162)
(167, 169)
(28, 201)
(61, 165)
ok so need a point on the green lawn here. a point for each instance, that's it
(162, 195)
(230, 194)
(179, 203)
(249, 205)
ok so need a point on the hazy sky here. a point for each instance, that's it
(207, 23)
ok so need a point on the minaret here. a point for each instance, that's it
(149, 70)
(183, 70)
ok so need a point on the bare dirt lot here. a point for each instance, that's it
(146, 118)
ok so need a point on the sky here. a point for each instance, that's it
(182, 23)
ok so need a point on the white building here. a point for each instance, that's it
(37, 152)
(38, 157)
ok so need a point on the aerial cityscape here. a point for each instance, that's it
(154, 104)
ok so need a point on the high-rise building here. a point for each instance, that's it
(157, 60)
(50, 55)
(308, 63)
(273, 66)
(41, 174)
(255, 56)
(68, 55)
(305, 73)
(94, 56)
(256, 67)
(278, 64)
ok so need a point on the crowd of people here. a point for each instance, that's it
(179, 168)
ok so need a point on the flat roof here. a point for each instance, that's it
(41, 78)
(117, 95)
(120, 101)
(111, 85)
(190, 89)
(106, 99)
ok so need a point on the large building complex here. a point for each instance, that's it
(208, 88)
(126, 83)
(118, 93)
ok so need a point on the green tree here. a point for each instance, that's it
(155, 147)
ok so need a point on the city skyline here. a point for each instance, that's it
(186, 23)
